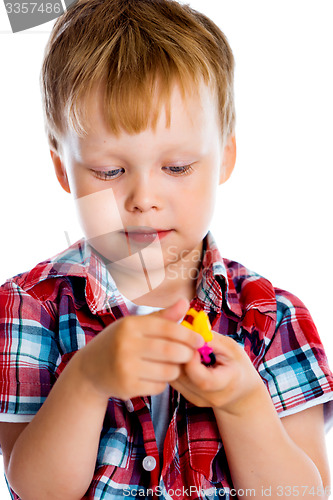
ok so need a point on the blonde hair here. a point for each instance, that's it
(131, 48)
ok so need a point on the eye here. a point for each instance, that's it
(107, 175)
(182, 170)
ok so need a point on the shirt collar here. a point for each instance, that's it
(79, 260)
(101, 291)
(215, 285)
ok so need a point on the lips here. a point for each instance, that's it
(163, 233)
(144, 234)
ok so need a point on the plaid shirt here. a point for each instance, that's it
(49, 313)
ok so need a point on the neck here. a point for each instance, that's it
(143, 288)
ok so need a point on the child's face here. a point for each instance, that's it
(163, 180)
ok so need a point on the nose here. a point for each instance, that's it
(142, 195)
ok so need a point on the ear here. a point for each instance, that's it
(60, 171)
(229, 159)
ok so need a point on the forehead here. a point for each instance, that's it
(183, 119)
(192, 100)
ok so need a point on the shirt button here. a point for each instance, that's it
(129, 406)
(149, 463)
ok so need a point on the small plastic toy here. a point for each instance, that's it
(199, 322)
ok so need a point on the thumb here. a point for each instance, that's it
(176, 311)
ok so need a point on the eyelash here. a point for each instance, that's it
(105, 176)
(183, 170)
(176, 171)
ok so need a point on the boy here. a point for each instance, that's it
(138, 97)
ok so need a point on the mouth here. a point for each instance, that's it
(140, 234)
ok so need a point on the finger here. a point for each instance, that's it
(188, 372)
(153, 388)
(206, 386)
(197, 373)
(175, 312)
(224, 346)
(158, 372)
(162, 328)
(189, 388)
(189, 393)
(165, 351)
(196, 376)
(147, 388)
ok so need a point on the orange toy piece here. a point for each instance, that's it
(198, 321)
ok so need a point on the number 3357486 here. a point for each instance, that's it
(33, 8)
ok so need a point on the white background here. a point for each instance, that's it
(275, 213)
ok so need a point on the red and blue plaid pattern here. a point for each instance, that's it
(49, 313)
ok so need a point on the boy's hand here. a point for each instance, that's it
(227, 385)
(139, 355)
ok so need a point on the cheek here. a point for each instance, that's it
(202, 196)
(77, 181)
(98, 213)
(194, 209)
(82, 182)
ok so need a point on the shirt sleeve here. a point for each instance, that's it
(29, 354)
(294, 366)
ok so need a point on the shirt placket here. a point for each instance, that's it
(151, 462)
(170, 448)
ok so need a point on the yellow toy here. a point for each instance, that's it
(198, 321)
